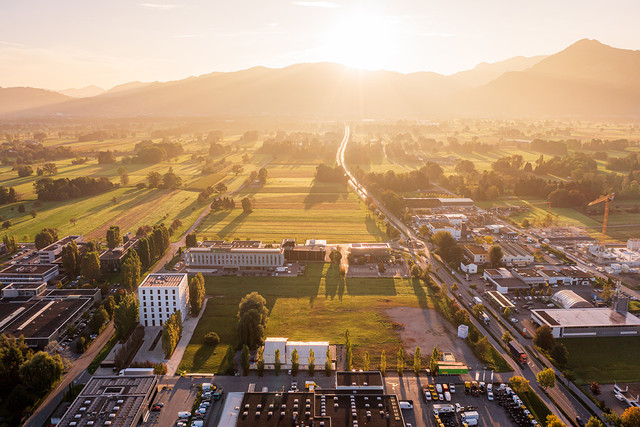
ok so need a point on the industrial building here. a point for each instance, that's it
(286, 347)
(438, 202)
(28, 273)
(44, 317)
(161, 295)
(588, 322)
(499, 301)
(233, 257)
(121, 401)
(437, 226)
(49, 254)
(370, 251)
(476, 253)
(16, 290)
(321, 407)
(313, 250)
(515, 254)
(530, 276)
(504, 281)
(367, 380)
(569, 299)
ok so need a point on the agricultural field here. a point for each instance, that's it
(592, 359)
(317, 306)
(293, 205)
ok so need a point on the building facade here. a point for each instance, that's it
(232, 257)
(28, 273)
(161, 295)
(48, 255)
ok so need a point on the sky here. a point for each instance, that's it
(75, 43)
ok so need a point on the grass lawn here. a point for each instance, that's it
(604, 360)
(535, 405)
(316, 306)
(292, 205)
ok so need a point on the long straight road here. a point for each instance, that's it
(560, 395)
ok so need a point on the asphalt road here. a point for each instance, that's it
(78, 368)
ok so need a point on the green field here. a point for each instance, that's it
(317, 306)
(604, 360)
(293, 205)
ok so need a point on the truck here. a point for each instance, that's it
(485, 318)
(469, 415)
(443, 409)
(310, 385)
(476, 301)
(136, 372)
(517, 351)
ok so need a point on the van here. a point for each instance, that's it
(406, 404)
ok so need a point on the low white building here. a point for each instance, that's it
(515, 254)
(286, 347)
(437, 226)
(49, 253)
(470, 268)
(161, 295)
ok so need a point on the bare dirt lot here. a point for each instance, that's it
(427, 329)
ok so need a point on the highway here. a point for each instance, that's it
(562, 397)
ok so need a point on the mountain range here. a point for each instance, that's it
(587, 78)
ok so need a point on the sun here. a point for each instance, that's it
(364, 40)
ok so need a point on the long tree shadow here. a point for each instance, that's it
(332, 281)
(323, 193)
(228, 229)
(420, 292)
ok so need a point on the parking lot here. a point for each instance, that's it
(410, 388)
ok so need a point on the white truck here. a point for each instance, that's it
(485, 318)
(470, 418)
(443, 409)
(477, 300)
(136, 372)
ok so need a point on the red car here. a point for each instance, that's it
(156, 408)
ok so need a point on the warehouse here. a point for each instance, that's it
(587, 322)
(514, 254)
(569, 299)
(235, 257)
(286, 347)
(438, 202)
(378, 251)
(119, 401)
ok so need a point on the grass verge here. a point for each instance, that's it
(95, 363)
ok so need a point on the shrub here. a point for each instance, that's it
(211, 338)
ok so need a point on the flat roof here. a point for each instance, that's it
(511, 283)
(476, 249)
(34, 285)
(40, 318)
(370, 245)
(359, 379)
(62, 242)
(586, 317)
(163, 280)
(514, 249)
(527, 272)
(117, 399)
(341, 409)
(501, 299)
(28, 269)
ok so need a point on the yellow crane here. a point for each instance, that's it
(607, 202)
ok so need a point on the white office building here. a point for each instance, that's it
(232, 256)
(286, 347)
(161, 295)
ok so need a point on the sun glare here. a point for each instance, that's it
(363, 41)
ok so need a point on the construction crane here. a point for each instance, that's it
(607, 202)
(548, 203)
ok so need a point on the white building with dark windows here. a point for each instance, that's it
(161, 295)
(233, 257)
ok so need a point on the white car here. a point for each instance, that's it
(452, 388)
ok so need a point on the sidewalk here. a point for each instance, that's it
(188, 327)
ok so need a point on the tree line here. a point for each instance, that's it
(171, 332)
(49, 189)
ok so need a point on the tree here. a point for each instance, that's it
(24, 170)
(211, 339)
(595, 388)
(196, 293)
(367, 361)
(478, 309)
(553, 421)
(543, 338)
(170, 180)
(90, 266)
(81, 345)
(191, 240)
(546, 378)
(416, 271)
(221, 187)
(143, 253)
(328, 363)
(312, 362)
(131, 270)
(383, 363)
(507, 312)
(519, 384)
(631, 417)
(417, 361)
(246, 360)
(400, 363)
(171, 332)
(295, 362)
(246, 205)
(71, 258)
(46, 237)
(237, 169)
(276, 361)
(99, 318)
(49, 169)
(113, 237)
(433, 362)
(495, 255)
(560, 354)
(125, 316)
(41, 371)
(594, 422)
(124, 179)
(506, 337)
(252, 318)
(10, 243)
(260, 361)
(154, 179)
